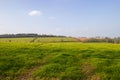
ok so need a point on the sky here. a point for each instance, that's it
(78, 18)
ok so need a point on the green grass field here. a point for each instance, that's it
(22, 60)
(40, 39)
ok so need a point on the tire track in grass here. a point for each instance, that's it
(28, 75)
(34, 39)
(89, 71)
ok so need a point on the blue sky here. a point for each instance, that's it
(77, 18)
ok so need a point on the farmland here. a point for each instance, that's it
(58, 59)
(42, 39)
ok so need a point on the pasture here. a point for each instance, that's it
(58, 59)
(40, 39)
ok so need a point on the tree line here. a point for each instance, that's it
(22, 35)
(98, 39)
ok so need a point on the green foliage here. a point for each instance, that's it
(48, 71)
(72, 73)
(59, 61)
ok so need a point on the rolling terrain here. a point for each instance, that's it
(58, 59)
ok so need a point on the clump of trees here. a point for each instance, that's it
(98, 39)
(22, 35)
(116, 40)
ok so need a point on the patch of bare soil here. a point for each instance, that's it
(28, 74)
(89, 71)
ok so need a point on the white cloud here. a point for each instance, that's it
(52, 18)
(35, 13)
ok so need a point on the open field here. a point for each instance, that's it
(40, 39)
(58, 61)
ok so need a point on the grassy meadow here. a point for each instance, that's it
(40, 39)
(58, 59)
